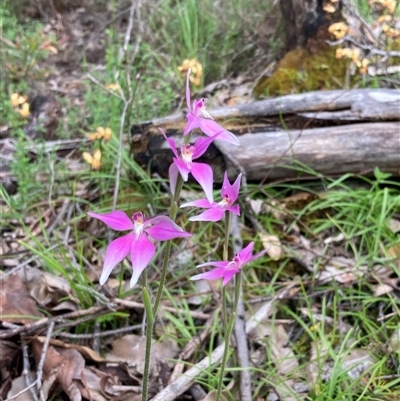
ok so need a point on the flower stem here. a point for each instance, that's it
(225, 255)
(225, 356)
(152, 312)
(149, 334)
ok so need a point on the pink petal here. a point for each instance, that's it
(188, 91)
(218, 263)
(235, 188)
(142, 252)
(228, 276)
(117, 220)
(173, 177)
(192, 123)
(234, 209)
(245, 254)
(163, 229)
(203, 174)
(211, 275)
(183, 168)
(217, 273)
(211, 128)
(213, 214)
(204, 203)
(171, 143)
(231, 190)
(258, 255)
(201, 145)
(116, 251)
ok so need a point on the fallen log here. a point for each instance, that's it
(357, 148)
(278, 135)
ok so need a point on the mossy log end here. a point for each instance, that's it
(332, 132)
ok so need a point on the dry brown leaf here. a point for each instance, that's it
(357, 362)
(8, 355)
(394, 342)
(394, 253)
(61, 366)
(273, 245)
(101, 386)
(131, 349)
(16, 305)
(86, 352)
(342, 270)
(256, 205)
(18, 385)
(48, 290)
(382, 289)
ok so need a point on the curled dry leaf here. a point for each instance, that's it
(256, 205)
(102, 386)
(357, 362)
(62, 366)
(18, 385)
(16, 305)
(382, 289)
(342, 270)
(273, 245)
(131, 349)
(394, 342)
(86, 352)
(48, 290)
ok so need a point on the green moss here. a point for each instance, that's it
(300, 71)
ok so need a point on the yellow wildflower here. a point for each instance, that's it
(24, 110)
(363, 66)
(17, 99)
(101, 133)
(196, 70)
(113, 86)
(94, 160)
(338, 29)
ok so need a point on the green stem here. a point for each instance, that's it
(238, 285)
(152, 312)
(225, 355)
(224, 311)
(149, 334)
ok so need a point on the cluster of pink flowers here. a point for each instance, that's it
(137, 243)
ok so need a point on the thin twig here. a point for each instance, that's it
(31, 328)
(99, 333)
(95, 81)
(39, 371)
(27, 372)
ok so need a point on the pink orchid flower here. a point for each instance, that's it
(216, 211)
(183, 164)
(227, 269)
(137, 243)
(198, 117)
